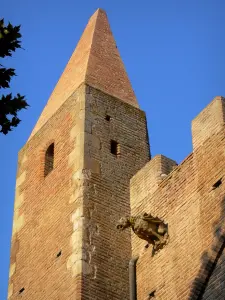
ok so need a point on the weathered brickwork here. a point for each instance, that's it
(49, 209)
(194, 209)
(64, 241)
(18, 220)
(106, 194)
(74, 209)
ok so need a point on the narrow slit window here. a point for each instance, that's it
(21, 290)
(115, 148)
(49, 160)
(59, 254)
(217, 184)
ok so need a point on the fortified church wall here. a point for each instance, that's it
(191, 199)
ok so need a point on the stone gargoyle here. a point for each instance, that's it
(149, 228)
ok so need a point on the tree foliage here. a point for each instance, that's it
(9, 105)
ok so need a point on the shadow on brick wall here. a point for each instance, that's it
(210, 281)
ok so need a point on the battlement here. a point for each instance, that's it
(147, 180)
(191, 200)
(209, 122)
(206, 125)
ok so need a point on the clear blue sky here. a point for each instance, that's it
(174, 53)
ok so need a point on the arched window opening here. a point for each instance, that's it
(49, 160)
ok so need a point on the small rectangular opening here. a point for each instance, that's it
(217, 184)
(108, 118)
(152, 295)
(59, 254)
(115, 148)
(21, 290)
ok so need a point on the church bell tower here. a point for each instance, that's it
(73, 180)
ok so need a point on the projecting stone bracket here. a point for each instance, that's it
(149, 228)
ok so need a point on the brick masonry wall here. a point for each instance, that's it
(106, 194)
(216, 285)
(47, 209)
(194, 210)
(75, 208)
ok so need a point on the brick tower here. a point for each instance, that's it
(73, 180)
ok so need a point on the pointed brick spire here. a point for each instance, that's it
(105, 69)
(95, 61)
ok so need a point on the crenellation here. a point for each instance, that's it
(186, 201)
(209, 122)
(147, 180)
